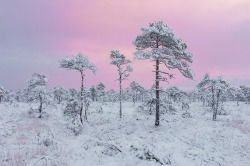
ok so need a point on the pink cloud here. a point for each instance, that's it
(217, 33)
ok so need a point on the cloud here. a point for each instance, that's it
(36, 34)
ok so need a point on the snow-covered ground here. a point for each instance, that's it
(133, 140)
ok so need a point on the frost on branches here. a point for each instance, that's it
(215, 87)
(159, 44)
(81, 64)
(119, 60)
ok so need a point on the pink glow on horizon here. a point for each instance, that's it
(216, 31)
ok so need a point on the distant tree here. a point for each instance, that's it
(1, 93)
(37, 87)
(100, 87)
(23, 95)
(174, 93)
(72, 93)
(119, 60)
(193, 96)
(246, 91)
(93, 93)
(59, 93)
(216, 87)
(137, 91)
(81, 64)
(112, 95)
(159, 44)
(101, 91)
(236, 94)
(6, 95)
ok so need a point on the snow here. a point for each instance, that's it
(107, 140)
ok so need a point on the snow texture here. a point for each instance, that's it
(133, 140)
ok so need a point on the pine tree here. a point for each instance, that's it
(119, 60)
(80, 63)
(159, 44)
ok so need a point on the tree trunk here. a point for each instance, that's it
(81, 98)
(40, 107)
(213, 104)
(120, 97)
(86, 107)
(157, 92)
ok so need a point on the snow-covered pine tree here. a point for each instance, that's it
(119, 60)
(216, 88)
(37, 87)
(159, 44)
(80, 63)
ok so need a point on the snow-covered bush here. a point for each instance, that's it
(75, 125)
(72, 108)
(71, 113)
(146, 153)
(148, 106)
(45, 137)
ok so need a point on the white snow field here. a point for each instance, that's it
(105, 140)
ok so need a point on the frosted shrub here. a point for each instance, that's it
(71, 113)
(75, 125)
(146, 153)
(149, 106)
(111, 150)
(72, 108)
(46, 137)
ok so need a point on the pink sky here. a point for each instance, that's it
(34, 35)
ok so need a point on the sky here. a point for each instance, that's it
(35, 35)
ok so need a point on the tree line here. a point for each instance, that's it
(156, 43)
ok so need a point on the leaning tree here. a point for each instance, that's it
(80, 63)
(119, 60)
(159, 44)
